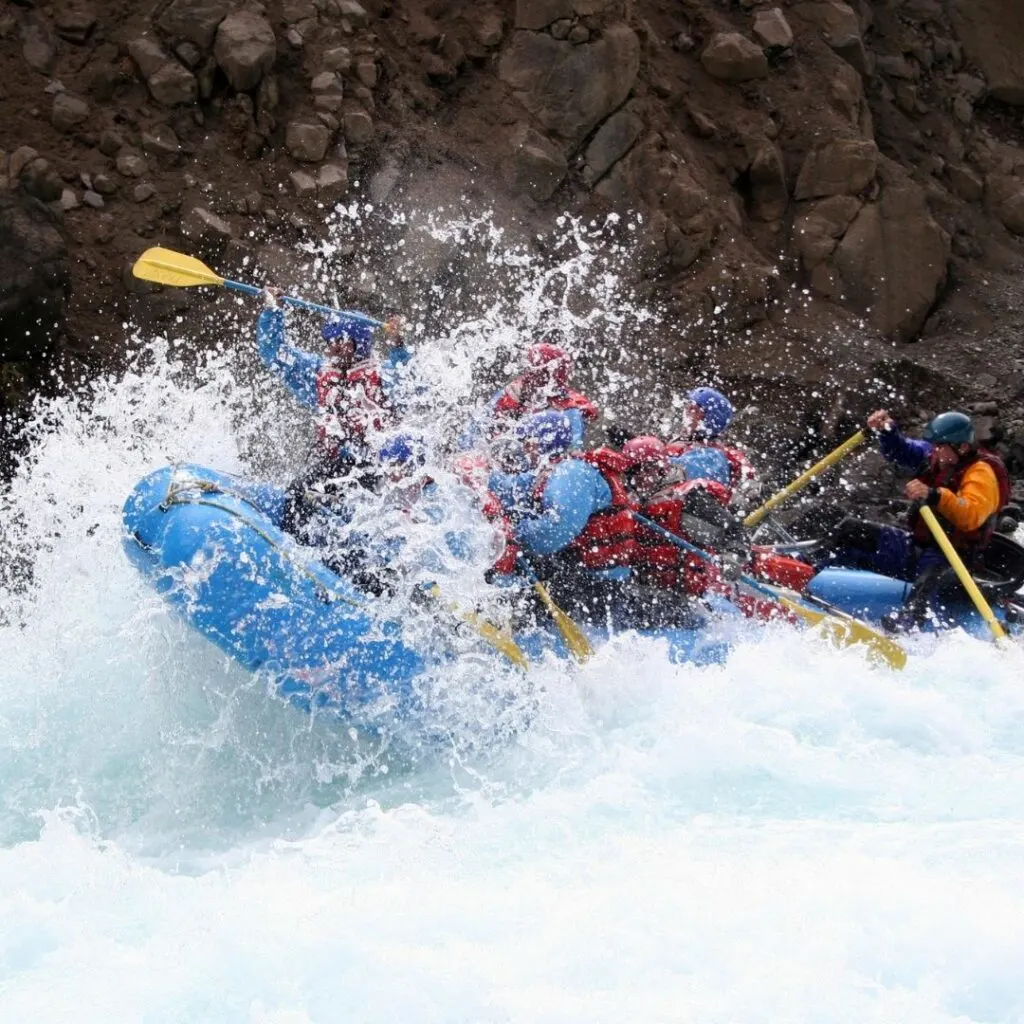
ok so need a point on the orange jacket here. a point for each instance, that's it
(976, 500)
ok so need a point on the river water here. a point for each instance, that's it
(793, 836)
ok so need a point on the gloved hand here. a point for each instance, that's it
(271, 295)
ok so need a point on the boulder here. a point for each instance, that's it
(613, 140)
(332, 181)
(965, 183)
(194, 20)
(39, 179)
(358, 126)
(773, 31)
(205, 226)
(245, 49)
(173, 84)
(991, 32)
(537, 166)
(161, 140)
(734, 58)
(148, 54)
(303, 184)
(840, 167)
(131, 163)
(35, 277)
(893, 259)
(38, 46)
(68, 111)
(571, 89)
(816, 232)
(1006, 201)
(307, 140)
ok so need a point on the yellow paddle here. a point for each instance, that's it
(574, 637)
(499, 639)
(984, 608)
(805, 478)
(165, 266)
(841, 628)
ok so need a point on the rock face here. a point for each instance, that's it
(992, 32)
(894, 258)
(570, 89)
(739, 142)
(34, 278)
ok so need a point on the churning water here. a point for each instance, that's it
(791, 836)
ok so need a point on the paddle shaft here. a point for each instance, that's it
(579, 646)
(805, 478)
(250, 289)
(984, 608)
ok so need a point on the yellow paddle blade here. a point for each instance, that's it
(500, 640)
(579, 646)
(845, 630)
(165, 266)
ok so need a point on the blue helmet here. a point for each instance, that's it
(403, 449)
(717, 409)
(552, 431)
(950, 428)
(335, 330)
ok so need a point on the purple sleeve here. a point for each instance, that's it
(904, 451)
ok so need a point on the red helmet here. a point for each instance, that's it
(549, 362)
(646, 450)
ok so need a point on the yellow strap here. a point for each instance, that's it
(805, 478)
(984, 608)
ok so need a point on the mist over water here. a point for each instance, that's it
(793, 835)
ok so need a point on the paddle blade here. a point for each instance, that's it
(165, 266)
(579, 646)
(844, 631)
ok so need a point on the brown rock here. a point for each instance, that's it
(684, 198)
(366, 72)
(965, 183)
(338, 58)
(358, 126)
(538, 14)
(332, 181)
(489, 29)
(835, 20)
(772, 30)
(817, 231)
(734, 58)
(570, 89)
(354, 12)
(200, 223)
(611, 143)
(75, 20)
(303, 184)
(173, 84)
(68, 111)
(769, 194)
(40, 180)
(1006, 200)
(991, 31)
(148, 54)
(893, 259)
(194, 20)
(110, 142)
(842, 167)
(20, 158)
(537, 166)
(131, 163)
(37, 44)
(245, 49)
(161, 140)
(307, 141)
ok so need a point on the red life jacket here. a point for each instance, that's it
(609, 538)
(663, 563)
(740, 469)
(510, 403)
(950, 477)
(351, 403)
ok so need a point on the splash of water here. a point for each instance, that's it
(792, 835)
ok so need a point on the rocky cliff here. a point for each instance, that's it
(830, 195)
